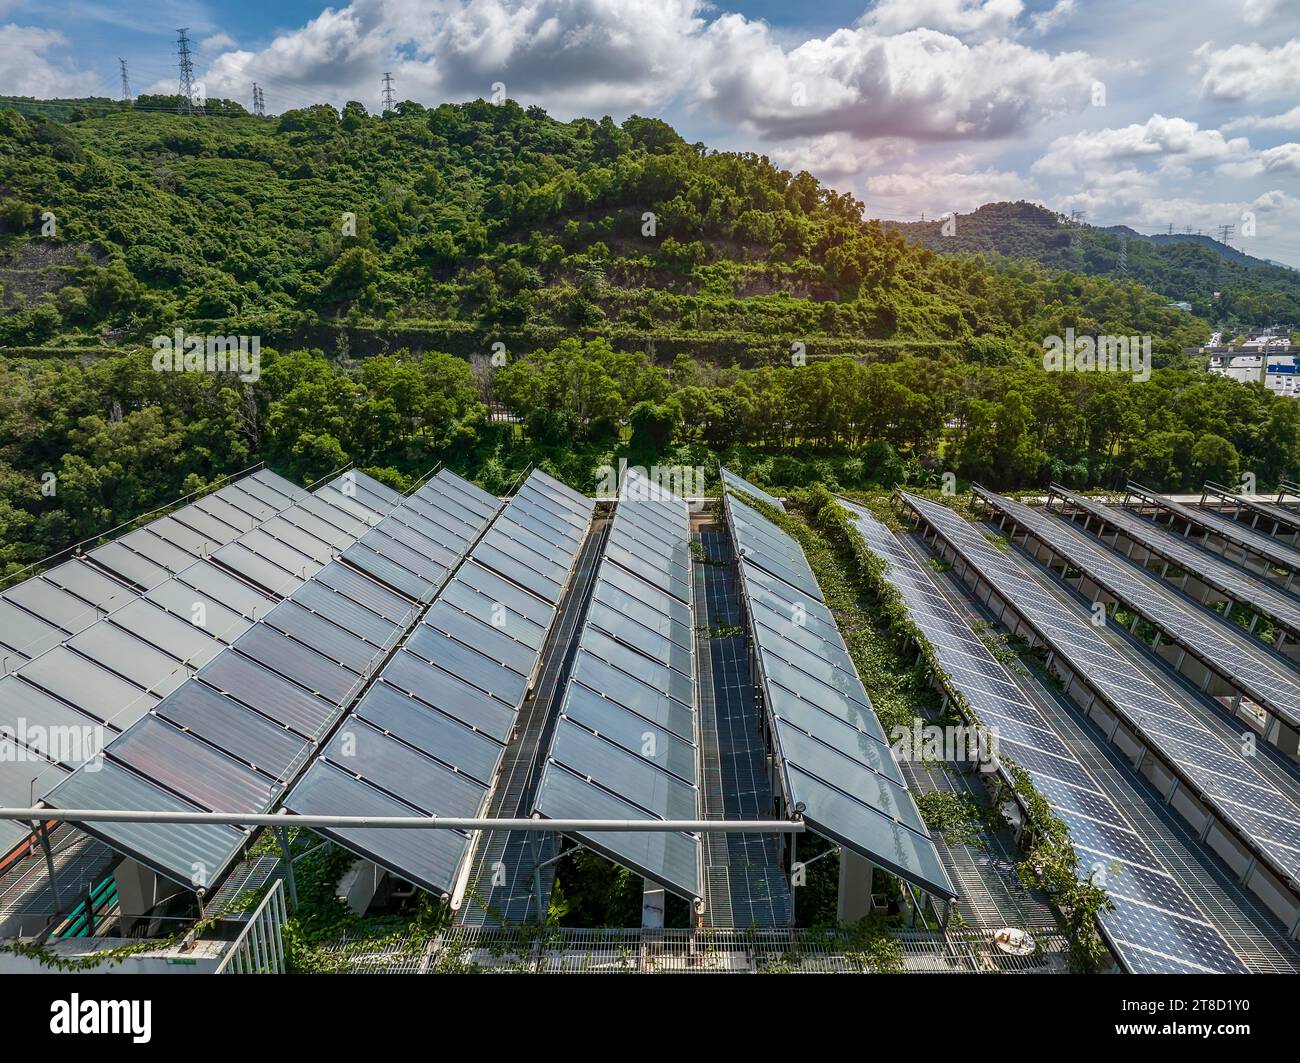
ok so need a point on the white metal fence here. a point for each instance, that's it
(259, 949)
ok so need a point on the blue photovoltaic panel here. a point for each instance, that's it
(1284, 521)
(1153, 917)
(1237, 584)
(1223, 647)
(1209, 523)
(834, 757)
(1222, 776)
(626, 743)
(428, 737)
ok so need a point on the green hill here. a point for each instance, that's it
(459, 226)
(613, 290)
(1183, 267)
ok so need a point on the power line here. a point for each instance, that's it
(389, 99)
(126, 85)
(186, 104)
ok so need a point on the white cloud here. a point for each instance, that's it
(1173, 142)
(27, 70)
(964, 18)
(219, 42)
(614, 56)
(1281, 160)
(1287, 120)
(838, 155)
(1257, 12)
(960, 186)
(1249, 71)
(1044, 21)
(919, 84)
(572, 56)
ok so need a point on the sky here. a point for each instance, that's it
(1150, 114)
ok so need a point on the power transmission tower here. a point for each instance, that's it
(1225, 233)
(186, 104)
(259, 104)
(1171, 228)
(389, 99)
(1076, 221)
(1123, 255)
(126, 85)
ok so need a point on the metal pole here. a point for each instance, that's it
(537, 877)
(283, 838)
(44, 837)
(554, 826)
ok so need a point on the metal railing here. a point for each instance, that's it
(259, 949)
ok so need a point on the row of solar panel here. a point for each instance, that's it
(229, 738)
(625, 745)
(1207, 523)
(1154, 926)
(1224, 648)
(739, 483)
(1239, 585)
(428, 737)
(99, 632)
(44, 610)
(1220, 772)
(837, 763)
(1250, 510)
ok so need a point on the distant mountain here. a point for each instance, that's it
(1180, 266)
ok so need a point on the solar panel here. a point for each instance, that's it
(88, 687)
(1240, 586)
(1209, 523)
(233, 736)
(834, 759)
(189, 852)
(1222, 648)
(427, 858)
(47, 726)
(1218, 772)
(23, 635)
(626, 741)
(428, 737)
(730, 479)
(127, 565)
(764, 545)
(1285, 521)
(195, 770)
(130, 657)
(1153, 913)
(245, 734)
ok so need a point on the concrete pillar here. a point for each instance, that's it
(652, 907)
(856, 875)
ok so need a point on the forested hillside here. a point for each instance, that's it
(1183, 267)
(652, 299)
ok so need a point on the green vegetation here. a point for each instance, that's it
(1051, 863)
(1181, 267)
(380, 259)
